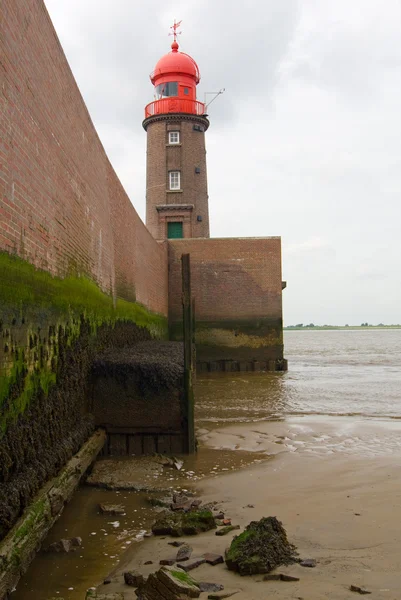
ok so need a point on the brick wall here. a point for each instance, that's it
(62, 207)
(237, 288)
(74, 256)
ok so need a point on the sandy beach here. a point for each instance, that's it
(335, 485)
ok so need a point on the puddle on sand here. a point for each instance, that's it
(104, 539)
(68, 576)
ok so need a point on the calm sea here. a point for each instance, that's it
(339, 372)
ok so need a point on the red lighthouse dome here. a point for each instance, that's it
(173, 64)
(175, 78)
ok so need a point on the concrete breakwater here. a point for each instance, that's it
(23, 541)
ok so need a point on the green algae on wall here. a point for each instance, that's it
(35, 310)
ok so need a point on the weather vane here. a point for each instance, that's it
(174, 28)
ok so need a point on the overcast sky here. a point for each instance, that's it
(305, 143)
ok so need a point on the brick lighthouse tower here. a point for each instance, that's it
(175, 123)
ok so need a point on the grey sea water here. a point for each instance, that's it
(331, 372)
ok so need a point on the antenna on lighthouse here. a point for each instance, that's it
(214, 97)
(174, 28)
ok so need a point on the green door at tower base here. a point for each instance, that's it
(174, 231)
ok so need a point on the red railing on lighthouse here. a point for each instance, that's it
(174, 105)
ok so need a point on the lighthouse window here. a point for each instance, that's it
(164, 90)
(173, 137)
(175, 182)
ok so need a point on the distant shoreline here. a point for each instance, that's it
(346, 328)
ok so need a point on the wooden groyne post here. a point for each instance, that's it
(189, 362)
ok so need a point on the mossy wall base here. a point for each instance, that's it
(51, 329)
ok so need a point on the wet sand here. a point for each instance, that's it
(335, 485)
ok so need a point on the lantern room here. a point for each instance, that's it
(175, 78)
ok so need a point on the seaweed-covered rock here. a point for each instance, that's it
(169, 582)
(262, 547)
(179, 523)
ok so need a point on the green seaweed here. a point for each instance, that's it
(35, 512)
(184, 577)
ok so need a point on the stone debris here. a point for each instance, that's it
(262, 547)
(112, 509)
(178, 464)
(134, 578)
(222, 594)
(167, 461)
(227, 529)
(219, 515)
(213, 559)
(169, 583)
(192, 563)
(184, 553)
(65, 545)
(280, 577)
(182, 502)
(308, 562)
(272, 577)
(176, 544)
(284, 577)
(180, 498)
(205, 586)
(185, 506)
(167, 561)
(159, 502)
(358, 589)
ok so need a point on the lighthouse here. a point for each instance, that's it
(175, 123)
